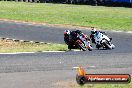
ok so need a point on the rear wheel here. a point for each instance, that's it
(90, 49)
(69, 47)
(97, 46)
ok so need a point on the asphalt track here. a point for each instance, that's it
(54, 70)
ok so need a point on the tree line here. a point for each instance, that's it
(86, 2)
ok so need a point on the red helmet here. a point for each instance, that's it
(66, 32)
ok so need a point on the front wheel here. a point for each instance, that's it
(81, 46)
(109, 45)
(90, 48)
(113, 46)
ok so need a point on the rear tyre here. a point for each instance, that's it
(90, 49)
(69, 47)
(97, 46)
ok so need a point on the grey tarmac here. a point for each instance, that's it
(54, 69)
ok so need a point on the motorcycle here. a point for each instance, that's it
(102, 40)
(80, 43)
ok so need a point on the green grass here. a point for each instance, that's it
(110, 18)
(106, 86)
(11, 47)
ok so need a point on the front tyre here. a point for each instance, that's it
(82, 46)
(113, 46)
(90, 48)
(108, 45)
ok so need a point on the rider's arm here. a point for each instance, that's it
(66, 39)
(103, 32)
(92, 38)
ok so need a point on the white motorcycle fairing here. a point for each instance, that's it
(101, 38)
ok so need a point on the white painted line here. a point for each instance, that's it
(18, 53)
(84, 67)
(76, 50)
(73, 50)
(33, 52)
(129, 32)
(7, 53)
(41, 42)
(7, 38)
(121, 31)
(48, 43)
(75, 67)
(13, 39)
(24, 52)
(31, 41)
(92, 66)
(116, 31)
(21, 40)
(52, 51)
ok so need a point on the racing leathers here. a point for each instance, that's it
(92, 36)
(74, 35)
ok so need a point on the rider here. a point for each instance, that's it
(94, 32)
(69, 35)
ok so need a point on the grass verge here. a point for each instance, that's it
(106, 86)
(70, 84)
(112, 18)
(11, 47)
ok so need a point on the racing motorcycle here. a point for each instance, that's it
(80, 43)
(102, 40)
